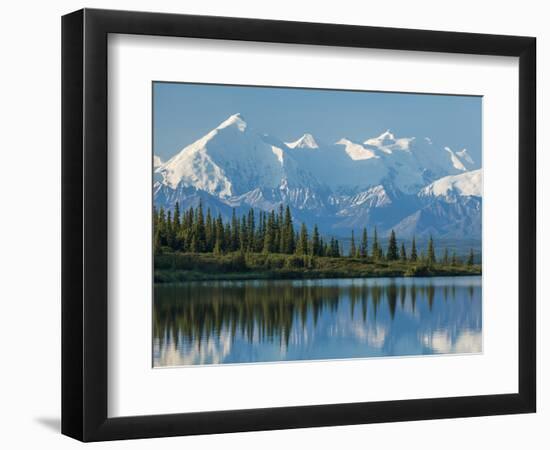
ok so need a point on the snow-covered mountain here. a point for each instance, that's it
(468, 184)
(406, 183)
(157, 162)
(233, 160)
(306, 141)
(450, 206)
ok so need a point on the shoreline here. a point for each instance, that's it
(182, 267)
(181, 276)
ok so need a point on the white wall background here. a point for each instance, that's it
(30, 192)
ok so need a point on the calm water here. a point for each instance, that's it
(220, 322)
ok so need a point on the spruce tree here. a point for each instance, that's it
(280, 230)
(302, 246)
(454, 260)
(414, 255)
(217, 248)
(220, 245)
(376, 251)
(234, 231)
(194, 247)
(200, 230)
(470, 261)
(288, 233)
(269, 236)
(272, 230)
(227, 237)
(352, 248)
(446, 256)
(187, 229)
(155, 217)
(403, 253)
(250, 226)
(190, 219)
(337, 252)
(259, 240)
(209, 232)
(243, 235)
(176, 221)
(178, 243)
(315, 242)
(276, 238)
(161, 223)
(431, 252)
(321, 247)
(364, 249)
(169, 229)
(330, 248)
(157, 246)
(393, 253)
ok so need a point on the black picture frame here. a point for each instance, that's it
(84, 224)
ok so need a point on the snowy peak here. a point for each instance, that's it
(457, 163)
(234, 159)
(356, 151)
(236, 120)
(461, 160)
(386, 136)
(467, 184)
(386, 139)
(306, 141)
(387, 142)
(464, 155)
(157, 162)
(201, 164)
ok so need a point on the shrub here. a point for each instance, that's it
(294, 262)
(417, 271)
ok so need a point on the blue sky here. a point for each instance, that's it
(183, 113)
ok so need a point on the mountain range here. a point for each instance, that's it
(411, 185)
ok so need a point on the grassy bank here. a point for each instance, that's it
(177, 267)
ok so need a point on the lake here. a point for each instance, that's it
(225, 322)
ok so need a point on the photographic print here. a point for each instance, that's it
(301, 224)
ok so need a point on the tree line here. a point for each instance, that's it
(193, 231)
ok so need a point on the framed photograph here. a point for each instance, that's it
(273, 224)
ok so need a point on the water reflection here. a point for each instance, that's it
(258, 321)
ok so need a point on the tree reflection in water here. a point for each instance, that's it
(269, 312)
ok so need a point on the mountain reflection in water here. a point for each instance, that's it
(218, 322)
